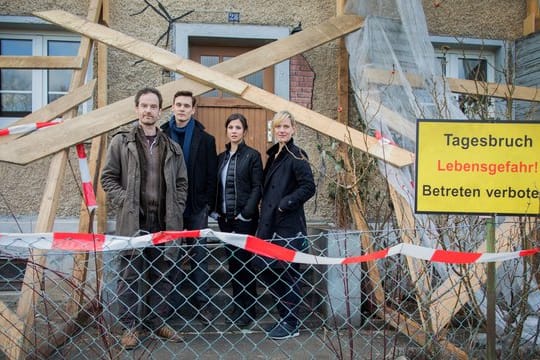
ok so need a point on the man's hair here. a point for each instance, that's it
(148, 90)
(186, 93)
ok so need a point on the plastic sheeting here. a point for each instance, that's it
(397, 79)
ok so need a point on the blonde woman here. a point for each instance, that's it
(288, 183)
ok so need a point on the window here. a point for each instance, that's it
(24, 91)
(470, 59)
(256, 79)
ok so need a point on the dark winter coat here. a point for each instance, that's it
(121, 180)
(245, 174)
(201, 169)
(288, 183)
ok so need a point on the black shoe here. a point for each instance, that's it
(269, 328)
(234, 316)
(243, 321)
(204, 316)
(283, 331)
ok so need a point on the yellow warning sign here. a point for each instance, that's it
(478, 167)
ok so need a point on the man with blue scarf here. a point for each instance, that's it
(199, 148)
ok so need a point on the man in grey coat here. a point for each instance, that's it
(145, 176)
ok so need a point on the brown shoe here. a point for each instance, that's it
(130, 339)
(168, 333)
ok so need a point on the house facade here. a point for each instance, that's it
(466, 35)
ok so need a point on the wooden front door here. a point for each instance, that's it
(214, 107)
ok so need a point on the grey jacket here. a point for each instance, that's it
(121, 180)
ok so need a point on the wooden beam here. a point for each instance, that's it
(82, 301)
(121, 112)
(31, 288)
(414, 331)
(392, 119)
(41, 62)
(460, 86)
(419, 274)
(56, 108)
(532, 19)
(200, 73)
(11, 331)
(455, 292)
(504, 91)
(145, 50)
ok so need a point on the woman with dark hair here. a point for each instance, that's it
(288, 183)
(237, 210)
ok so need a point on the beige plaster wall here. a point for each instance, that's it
(22, 186)
(490, 19)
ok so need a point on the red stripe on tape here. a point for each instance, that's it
(166, 236)
(367, 257)
(81, 153)
(89, 195)
(529, 252)
(78, 242)
(40, 125)
(454, 257)
(268, 249)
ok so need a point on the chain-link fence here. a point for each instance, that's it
(395, 306)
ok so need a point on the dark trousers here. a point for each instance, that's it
(243, 281)
(284, 284)
(143, 288)
(198, 257)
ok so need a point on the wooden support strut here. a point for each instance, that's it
(56, 108)
(121, 112)
(41, 62)
(392, 154)
(33, 277)
(460, 86)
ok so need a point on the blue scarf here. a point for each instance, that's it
(187, 131)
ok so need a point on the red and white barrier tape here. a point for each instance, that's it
(88, 189)
(24, 128)
(100, 242)
(383, 139)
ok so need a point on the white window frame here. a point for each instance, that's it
(490, 50)
(39, 36)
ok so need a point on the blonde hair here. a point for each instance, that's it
(282, 115)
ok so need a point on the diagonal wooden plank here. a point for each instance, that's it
(200, 73)
(11, 331)
(460, 86)
(40, 62)
(56, 108)
(121, 112)
(31, 290)
(452, 294)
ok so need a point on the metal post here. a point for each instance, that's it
(491, 332)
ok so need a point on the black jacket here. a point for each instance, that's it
(288, 184)
(243, 197)
(202, 167)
